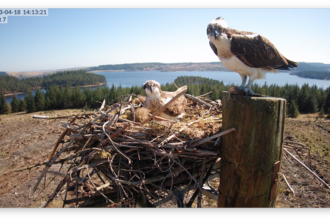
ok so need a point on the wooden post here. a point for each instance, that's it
(250, 158)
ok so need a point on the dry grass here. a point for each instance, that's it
(312, 132)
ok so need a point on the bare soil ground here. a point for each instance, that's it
(25, 141)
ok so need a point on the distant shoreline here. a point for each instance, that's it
(87, 86)
(14, 93)
(100, 71)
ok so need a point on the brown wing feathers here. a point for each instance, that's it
(259, 52)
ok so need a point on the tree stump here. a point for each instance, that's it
(250, 156)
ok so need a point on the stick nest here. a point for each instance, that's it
(109, 158)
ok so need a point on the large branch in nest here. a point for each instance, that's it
(213, 137)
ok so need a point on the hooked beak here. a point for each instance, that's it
(215, 33)
(212, 31)
(150, 88)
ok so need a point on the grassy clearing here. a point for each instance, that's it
(312, 132)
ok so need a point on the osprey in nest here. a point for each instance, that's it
(247, 53)
(156, 98)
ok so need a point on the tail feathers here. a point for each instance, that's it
(291, 64)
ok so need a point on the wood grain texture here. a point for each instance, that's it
(248, 154)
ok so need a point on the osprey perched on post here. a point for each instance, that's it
(247, 53)
(156, 98)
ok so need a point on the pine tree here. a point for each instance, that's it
(113, 93)
(30, 105)
(293, 110)
(47, 103)
(52, 94)
(14, 105)
(321, 113)
(21, 105)
(4, 108)
(311, 104)
(302, 99)
(1, 104)
(327, 102)
(39, 100)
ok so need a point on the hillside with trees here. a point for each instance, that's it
(323, 75)
(163, 67)
(207, 66)
(304, 69)
(11, 84)
(312, 70)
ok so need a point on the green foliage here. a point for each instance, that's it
(12, 84)
(4, 108)
(14, 104)
(326, 107)
(293, 110)
(21, 105)
(47, 103)
(321, 113)
(311, 106)
(312, 74)
(30, 105)
(130, 67)
(65, 78)
(39, 100)
(200, 85)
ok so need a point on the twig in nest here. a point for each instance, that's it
(60, 139)
(176, 133)
(102, 106)
(121, 153)
(198, 100)
(205, 94)
(189, 204)
(201, 181)
(213, 137)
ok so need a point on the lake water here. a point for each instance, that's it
(128, 79)
(138, 78)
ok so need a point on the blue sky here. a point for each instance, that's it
(90, 37)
